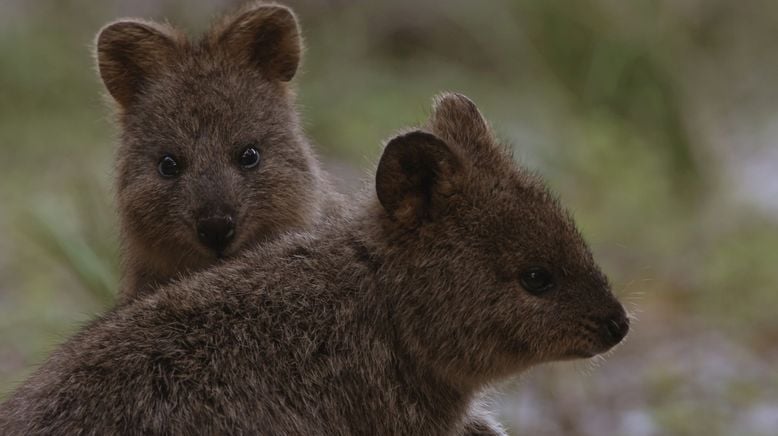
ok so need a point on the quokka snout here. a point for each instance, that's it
(212, 158)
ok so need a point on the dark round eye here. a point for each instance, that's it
(249, 158)
(537, 280)
(168, 167)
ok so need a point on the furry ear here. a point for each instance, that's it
(456, 118)
(129, 53)
(415, 176)
(266, 37)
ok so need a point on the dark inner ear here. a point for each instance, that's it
(129, 53)
(413, 174)
(267, 38)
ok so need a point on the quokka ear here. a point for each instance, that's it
(415, 176)
(456, 118)
(130, 53)
(266, 37)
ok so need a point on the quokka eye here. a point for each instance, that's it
(168, 167)
(537, 280)
(249, 158)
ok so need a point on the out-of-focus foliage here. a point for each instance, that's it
(654, 120)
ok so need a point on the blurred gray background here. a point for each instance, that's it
(656, 121)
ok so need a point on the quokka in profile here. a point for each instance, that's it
(461, 270)
(212, 158)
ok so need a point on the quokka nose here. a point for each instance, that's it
(216, 232)
(616, 328)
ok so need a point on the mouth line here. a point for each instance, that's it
(223, 256)
(581, 354)
(229, 251)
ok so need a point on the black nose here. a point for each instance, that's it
(616, 328)
(216, 232)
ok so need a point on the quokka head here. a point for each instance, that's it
(501, 259)
(211, 156)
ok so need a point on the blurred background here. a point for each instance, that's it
(655, 120)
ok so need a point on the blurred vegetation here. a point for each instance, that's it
(646, 116)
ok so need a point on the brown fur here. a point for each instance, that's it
(163, 83)
(385, 322)
(204, 102)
